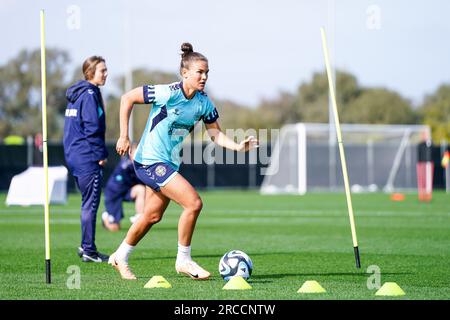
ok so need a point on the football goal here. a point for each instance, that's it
(379, 157)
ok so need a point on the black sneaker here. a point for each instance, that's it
(80, 251)
(94, 257)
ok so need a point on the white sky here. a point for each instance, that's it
(255, 48)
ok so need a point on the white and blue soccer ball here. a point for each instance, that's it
(235, 263)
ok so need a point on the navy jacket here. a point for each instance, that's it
(84, 129)
(122, 179)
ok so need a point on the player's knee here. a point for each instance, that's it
(196, 205)
(151, 219)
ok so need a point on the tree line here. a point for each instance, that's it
(20, 101)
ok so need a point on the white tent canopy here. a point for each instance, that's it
(27, 188)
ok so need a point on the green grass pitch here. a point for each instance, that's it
(290, 239)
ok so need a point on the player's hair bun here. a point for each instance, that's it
(186, 48)
(188, 56)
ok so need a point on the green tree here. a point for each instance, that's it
(272, 114)
(378, 106)
(355, 104)
(311, 103)
(20, 93)
(435, 112)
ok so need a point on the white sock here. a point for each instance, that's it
(184, 253)
(123, 252)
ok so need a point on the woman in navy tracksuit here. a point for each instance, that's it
(85, 150)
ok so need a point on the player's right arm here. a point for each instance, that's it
(127, 102)
(158, 95)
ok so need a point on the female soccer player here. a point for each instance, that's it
(176, 109)
(85, 150)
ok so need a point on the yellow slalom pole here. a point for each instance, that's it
(341, 148)
(45, 158)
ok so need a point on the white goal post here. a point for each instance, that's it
(379, 157)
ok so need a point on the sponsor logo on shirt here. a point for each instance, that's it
(71, 112)
(179, 129)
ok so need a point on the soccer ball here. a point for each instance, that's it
(235, 263)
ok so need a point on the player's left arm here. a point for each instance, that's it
(216, 134)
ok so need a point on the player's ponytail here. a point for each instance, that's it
(188, 55)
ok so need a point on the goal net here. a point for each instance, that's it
(379, 157)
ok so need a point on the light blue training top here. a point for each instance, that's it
(171, 119)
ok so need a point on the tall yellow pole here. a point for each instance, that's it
(341, 148)
(44, 154)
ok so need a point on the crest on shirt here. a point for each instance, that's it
(160, 171)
